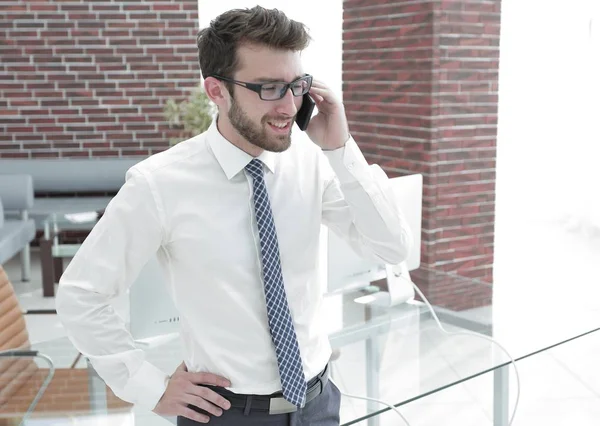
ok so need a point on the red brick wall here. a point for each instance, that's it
(81, 78)
(421, 93)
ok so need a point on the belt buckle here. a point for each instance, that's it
(281, 406)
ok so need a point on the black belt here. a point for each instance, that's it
(274, 403)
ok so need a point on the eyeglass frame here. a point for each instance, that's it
(257, 87)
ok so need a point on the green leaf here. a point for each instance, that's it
(195, 114)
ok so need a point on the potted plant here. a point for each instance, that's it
(192, 115)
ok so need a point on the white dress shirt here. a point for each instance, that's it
(191, 206)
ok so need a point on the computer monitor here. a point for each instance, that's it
(346, 270)
(151, 309)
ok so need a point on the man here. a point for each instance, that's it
(233, 216)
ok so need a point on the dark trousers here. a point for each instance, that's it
(324, 410)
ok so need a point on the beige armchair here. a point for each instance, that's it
(15, 372)
(68, 393)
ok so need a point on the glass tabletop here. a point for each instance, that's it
(400, 355)
(77, 213)
(56, 223)
(396, 354)
(73, 219)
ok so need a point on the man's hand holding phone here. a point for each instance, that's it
(183, 389)
(329, 128)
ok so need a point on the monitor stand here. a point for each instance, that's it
(400, 287)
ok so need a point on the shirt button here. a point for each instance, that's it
(351, 166)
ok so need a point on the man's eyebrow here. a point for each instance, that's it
(276, 80)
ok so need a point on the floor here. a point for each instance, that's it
(559, 387)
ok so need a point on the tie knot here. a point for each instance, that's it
(255, 168)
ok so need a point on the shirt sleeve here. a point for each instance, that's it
(360, 206)
(106, 265)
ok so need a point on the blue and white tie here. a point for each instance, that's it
(283, 334)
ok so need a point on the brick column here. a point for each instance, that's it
(421, 93)
(82, 78)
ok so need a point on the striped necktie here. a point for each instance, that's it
(283, 334)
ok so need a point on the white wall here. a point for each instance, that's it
(548, 172)
(548, 139)
(323, 58)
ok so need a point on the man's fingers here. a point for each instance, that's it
(204, 404)
(193, 415)
(210, 396)
(318, 83)
(323, 92)
(182, 367)
(324, 95)
(202, 378)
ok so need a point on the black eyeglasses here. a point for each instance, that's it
(273, 91)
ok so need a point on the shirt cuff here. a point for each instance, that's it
(348, 162)
(148, 384)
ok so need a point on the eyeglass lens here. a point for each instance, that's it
(271, 91)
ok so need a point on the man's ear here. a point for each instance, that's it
(216, 91)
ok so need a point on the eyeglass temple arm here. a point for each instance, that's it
(251, 86)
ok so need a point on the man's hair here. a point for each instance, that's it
(218, 43)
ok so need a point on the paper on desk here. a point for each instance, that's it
(81, 217)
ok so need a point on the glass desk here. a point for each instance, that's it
(395, 354)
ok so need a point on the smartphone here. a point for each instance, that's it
(305, 112)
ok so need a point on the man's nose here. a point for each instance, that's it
(287, 104)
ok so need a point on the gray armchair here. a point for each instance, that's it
(17, 230)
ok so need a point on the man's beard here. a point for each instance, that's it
(257, 134)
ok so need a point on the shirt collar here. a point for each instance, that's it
(232, 159)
